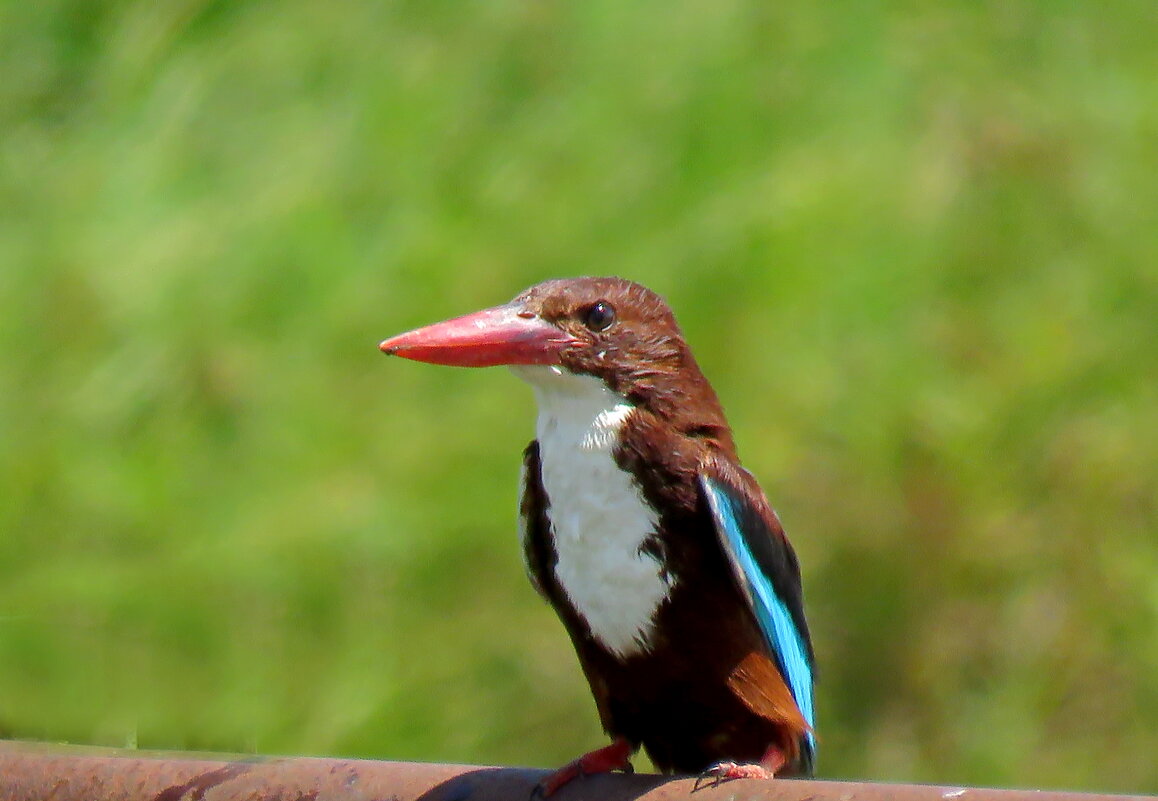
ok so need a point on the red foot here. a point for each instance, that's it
(616, 756)
(720, 772)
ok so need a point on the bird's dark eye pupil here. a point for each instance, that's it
(600, 316)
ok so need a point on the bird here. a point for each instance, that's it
(659, 552)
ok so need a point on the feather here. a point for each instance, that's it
(769, 577)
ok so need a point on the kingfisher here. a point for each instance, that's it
(658, 551)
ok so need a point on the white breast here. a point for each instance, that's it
(598, 516)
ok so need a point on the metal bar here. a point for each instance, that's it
(40, 772)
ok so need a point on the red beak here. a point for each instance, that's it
(499, 335)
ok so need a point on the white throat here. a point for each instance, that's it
(598, 515)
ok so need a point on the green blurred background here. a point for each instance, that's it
(913, 245)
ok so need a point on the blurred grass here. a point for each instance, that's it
(913, 246)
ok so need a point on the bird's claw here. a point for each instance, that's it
(614, 757)
(722, 772)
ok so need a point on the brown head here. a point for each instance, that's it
(613, 329)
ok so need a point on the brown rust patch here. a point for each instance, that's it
(202, 783)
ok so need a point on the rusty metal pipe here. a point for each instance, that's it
(38, 772)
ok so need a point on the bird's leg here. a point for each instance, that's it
(616, 756)
(769, 765)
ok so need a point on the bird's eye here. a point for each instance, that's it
(600, 316)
